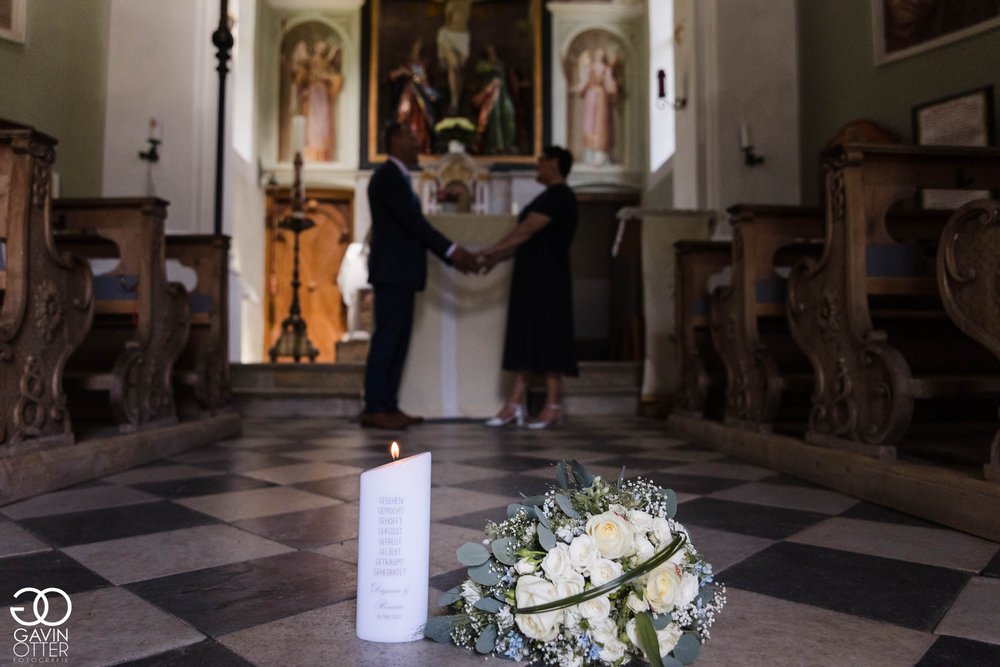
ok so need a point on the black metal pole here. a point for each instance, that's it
(222, 38)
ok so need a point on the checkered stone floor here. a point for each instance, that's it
(245, 552)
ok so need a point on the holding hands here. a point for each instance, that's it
(480, 263)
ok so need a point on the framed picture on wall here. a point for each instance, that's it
(906, 27)
(12, 19)
(458, 70)
(965, 119)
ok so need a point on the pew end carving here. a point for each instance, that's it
(47, 303)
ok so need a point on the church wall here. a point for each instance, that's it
(61, 66)
(841, 83)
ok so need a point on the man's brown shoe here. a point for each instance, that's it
(410, 419)
(386, 420)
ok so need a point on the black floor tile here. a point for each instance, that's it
(503, 462)
(201, 486)
(640, 465)
(958, 652)
(307, 529)
(114, 522)
(208, 653)
(508, 485)
(992, 569)
(870, 512)
(44, 570)
(785, 480)
(450, 579)
(477, 520)
(347, 487)
(224, 599)
(774, 523)
(908, 594)
(698, 484)
(240, 460)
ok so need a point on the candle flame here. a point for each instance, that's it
(394, 450)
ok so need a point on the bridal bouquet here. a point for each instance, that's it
(591, 573)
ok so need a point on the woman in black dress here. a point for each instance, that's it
(540, 312)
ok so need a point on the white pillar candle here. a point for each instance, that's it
(394, 550)
(298, 134)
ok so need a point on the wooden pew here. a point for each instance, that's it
(47, 304)
(869, 286)
(967, 277)
(701, 371)
(748, 318)
(201, 374)
(141, 321)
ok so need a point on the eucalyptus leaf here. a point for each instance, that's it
(439, 628)
(661, 621)
(647, 639)
(542, 518)
(482, 574)
(687, 648)
(566, 506)
(502, 551)
(514, 508)
(583, 477)
(532, 500)
(671, 499)
(546, 538)
(671, 661)
(492, 605)
(561, 475)
(471, 554)
(487, 640)
(450, 596)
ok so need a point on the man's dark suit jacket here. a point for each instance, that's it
(401, 234)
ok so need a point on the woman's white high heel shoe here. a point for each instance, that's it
(543, 424)
(517, 417)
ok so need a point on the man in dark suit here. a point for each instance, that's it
(397, 270)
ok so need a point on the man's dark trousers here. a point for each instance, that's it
(393, 326)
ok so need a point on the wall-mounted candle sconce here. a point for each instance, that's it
(746, 145)
(661, 93)
(152, 154)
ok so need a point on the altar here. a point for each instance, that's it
(453, 366)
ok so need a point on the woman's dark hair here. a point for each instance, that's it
(564, 157)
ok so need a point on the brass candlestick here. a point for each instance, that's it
(294, 342)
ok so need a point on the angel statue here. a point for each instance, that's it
(317, 79)
(599, 90)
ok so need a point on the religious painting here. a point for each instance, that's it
(312, 76)
(12, 19)
(458, 70)
(595, 68)
(905, 27)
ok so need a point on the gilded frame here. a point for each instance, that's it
(927, 25)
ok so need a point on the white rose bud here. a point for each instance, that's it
(612, 534)
(556, 563)
(529, 592)
(644, 549)
(571, 584)
(603, 631)
(636, 603)
(663, 587)
(613, 651)
(689, 590)
(583, 553)
(596, 609)
(667, 638)
(641, 520)
(604, 570)
(526, 566)
(633, 634)
(661, 531)
(572, 618)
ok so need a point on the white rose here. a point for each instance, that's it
(596, 609)
(636, 603)
(583, 553)
(667, 638)
(571, 584)
(663, 587)
(679, 556)
(633, 634)
(644, 548)
(526, 566)
(613, 651)
(556, 563)
(529, 592)
(572, 617)
(604, 570)
(603, 631)
(641, 520)
(612, 534)
(689, 589)
(661, 530)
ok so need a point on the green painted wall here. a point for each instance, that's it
(840, 82)
(56, 82)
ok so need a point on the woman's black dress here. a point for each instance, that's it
(540, 312)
